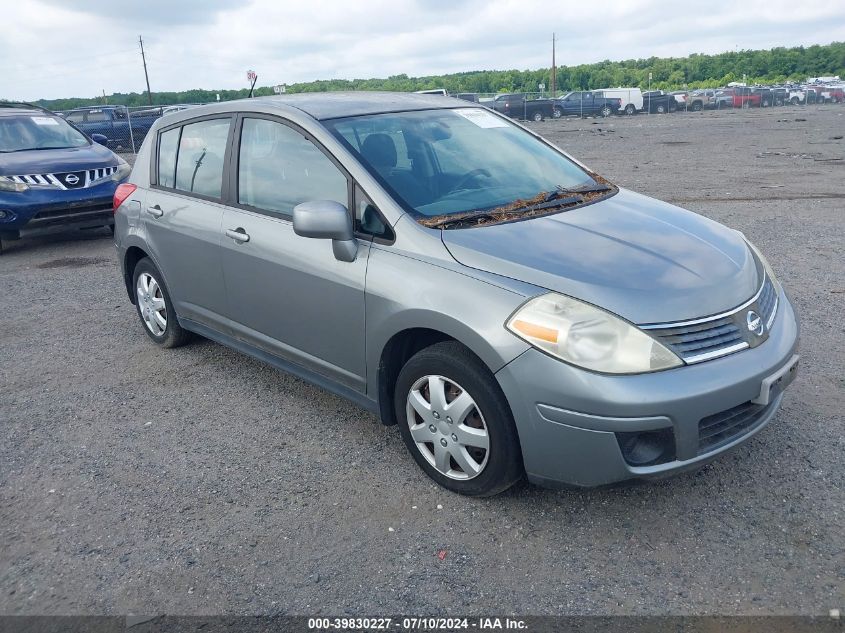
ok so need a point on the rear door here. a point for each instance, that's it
(289, 295)
(183, 213)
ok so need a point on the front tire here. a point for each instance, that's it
(557, 113)
(154, 307)
(538, 116)
(661, 109)
(456, 422)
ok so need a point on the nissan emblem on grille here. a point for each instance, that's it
(72, 179)
(755, 323)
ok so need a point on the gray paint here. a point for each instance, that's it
(642, 259)
(290, 300)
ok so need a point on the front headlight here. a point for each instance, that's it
(123, 170)
(766, 265)
(586, 336)
(6, 184)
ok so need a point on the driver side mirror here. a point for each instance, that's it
(327, 219)
(99, 138)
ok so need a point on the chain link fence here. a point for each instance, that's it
(120, 128)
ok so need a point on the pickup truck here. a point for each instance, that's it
(698, 100)
(581, 103)
(518, 106)
(113, 123)
(659, 102)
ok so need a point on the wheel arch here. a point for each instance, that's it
(133, 255)
(404, 342)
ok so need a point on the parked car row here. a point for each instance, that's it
(608, 101)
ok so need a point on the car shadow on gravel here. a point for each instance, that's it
(31, 244)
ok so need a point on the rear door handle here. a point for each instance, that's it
(238, 234)
(155, 211)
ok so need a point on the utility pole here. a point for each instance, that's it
(146, 76)
(554, 69)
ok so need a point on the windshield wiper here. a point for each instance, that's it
(590, 189)
(550, 200)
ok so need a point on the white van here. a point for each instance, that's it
(632, 98)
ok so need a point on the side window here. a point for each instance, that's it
(367, 218)
(96, 116)
(279, 168)
(75, 117)
(199, 166)
(168, 143)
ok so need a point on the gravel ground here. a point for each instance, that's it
(199, 481)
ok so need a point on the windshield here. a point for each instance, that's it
(38, 131)
(446, 162)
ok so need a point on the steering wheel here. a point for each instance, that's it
(470, 176)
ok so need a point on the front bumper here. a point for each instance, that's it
(38, 211)
(570, 420)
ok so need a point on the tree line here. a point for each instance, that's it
(776, 65)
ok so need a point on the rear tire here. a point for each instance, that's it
(630, 110)
(696, 106)
(660, 109)
(538, 116)
(477, 454)
(606, 111)
(154, 307)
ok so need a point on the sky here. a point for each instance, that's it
(80, 48)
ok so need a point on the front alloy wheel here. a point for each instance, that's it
(448, 427)
(456, 422)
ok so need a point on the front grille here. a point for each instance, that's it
(689, 341)
(722, 428)
(78, 179)
(702, 339)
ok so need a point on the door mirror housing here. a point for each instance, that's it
(99, 138)
(327, 220)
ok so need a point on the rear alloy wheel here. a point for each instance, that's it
(456, 422)
(155, 308)
(606, 111)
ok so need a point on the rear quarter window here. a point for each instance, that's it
(167, 147)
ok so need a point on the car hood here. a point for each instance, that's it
(52, 161)
(645, 260)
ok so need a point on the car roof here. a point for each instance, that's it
(9, 108)
(335, 105)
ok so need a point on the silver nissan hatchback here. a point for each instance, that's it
(514, 313)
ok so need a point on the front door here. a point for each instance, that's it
(288, 295)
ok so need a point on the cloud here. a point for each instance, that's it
(69, 48)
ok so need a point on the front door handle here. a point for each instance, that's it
(238, 234)
(155, 211)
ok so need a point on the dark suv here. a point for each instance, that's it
(52, 176)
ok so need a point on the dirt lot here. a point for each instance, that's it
(139, 480)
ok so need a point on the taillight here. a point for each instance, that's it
(121, 194)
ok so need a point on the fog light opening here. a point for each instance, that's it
(647, 448)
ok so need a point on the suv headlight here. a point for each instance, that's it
(588, 337)
(123, 170)
(7, 184)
